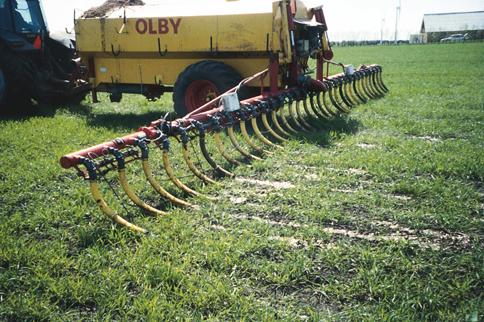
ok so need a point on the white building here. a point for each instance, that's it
(439, 25)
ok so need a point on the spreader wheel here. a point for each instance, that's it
(200, 83)
(115, 97)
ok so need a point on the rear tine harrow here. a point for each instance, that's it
(273, 117)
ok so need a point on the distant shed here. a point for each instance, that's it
(436, 26)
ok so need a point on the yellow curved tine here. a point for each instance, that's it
(347, 93)
(156, 185)
(301, 118)
(334, 101)
(246, 137)
(202, 176)
(380, 79)
(269, 129)
(376, 80)
(366, 86)
(313, 116)
(317, 109)
(338, 109)
(370, 84)
(208, 157)
(151, 179)
(260, 136)
(341, 99)
(294, 118)
(362, 88)
(220, 147)
(134, 198)
(278, 125)
(285, 122)
(376, 84)
(322, 100)
(121, 165)
(169, 169)
(356, 95)
(343, 96)
(360, 96)
(236, 145)
(98, 197)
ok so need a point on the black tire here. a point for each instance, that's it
(115, 97)
(18, 70)
(220, 75)
(3, 90)
(77, 99)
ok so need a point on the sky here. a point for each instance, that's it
(347, 19)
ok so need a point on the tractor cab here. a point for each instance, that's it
(22, 25)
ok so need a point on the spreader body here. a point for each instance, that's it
(146, 49)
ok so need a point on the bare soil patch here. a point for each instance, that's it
(427, 138)
(366, 146)
(426, 238)
(266, 183)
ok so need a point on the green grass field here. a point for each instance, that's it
(379, 216)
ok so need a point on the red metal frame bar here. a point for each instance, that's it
(293, 66)
(152, 131)
(274, 73)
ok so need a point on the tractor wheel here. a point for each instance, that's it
(17, 70)
(200, 83)
(3, 90)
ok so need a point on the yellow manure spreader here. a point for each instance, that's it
(197, 49)
(240, 76)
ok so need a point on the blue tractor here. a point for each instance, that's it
(34, 63)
